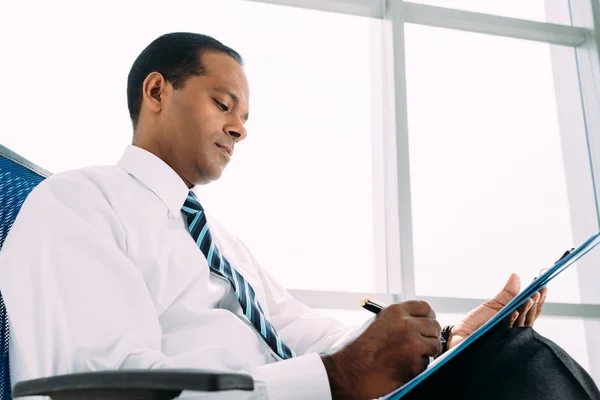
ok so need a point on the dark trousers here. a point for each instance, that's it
(513, 364)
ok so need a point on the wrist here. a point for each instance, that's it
(336, 375)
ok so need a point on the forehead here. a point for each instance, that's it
(222, 70)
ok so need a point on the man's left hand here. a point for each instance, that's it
(525, 315)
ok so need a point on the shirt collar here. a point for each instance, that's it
(157, 175)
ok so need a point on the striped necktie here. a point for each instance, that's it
(194, 213)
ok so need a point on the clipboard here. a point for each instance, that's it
(567, 260)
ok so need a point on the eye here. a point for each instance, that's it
(221, 106)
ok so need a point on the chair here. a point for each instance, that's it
(18, 177)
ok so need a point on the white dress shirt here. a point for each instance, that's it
(100, 272)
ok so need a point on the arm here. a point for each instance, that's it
(76, 303)
(301, 327)
(391, 348)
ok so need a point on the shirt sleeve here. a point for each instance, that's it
(77, 303)
(306, 331)
(302, 328)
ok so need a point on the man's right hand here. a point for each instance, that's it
(391, 351)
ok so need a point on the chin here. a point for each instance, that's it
(209, 175)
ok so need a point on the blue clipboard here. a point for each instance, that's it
(525, 294)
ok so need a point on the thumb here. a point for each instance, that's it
(510, 290)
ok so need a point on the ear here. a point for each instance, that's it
(154, 89)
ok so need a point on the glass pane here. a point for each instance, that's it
(571, 339)
(291, 193)
(531, 9)
(488, 184)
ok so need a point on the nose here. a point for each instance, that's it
(238, 135)
(236, 130)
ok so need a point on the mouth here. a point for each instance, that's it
(227, 150)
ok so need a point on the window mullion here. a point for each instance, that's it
(579, 115)
(399, 240)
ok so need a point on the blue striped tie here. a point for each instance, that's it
(196, 219)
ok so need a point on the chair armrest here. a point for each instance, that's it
(131, 384)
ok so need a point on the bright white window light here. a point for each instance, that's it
(488, 184)
(299, 189)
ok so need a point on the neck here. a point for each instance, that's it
(143, 141)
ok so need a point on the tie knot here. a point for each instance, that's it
(191, 203)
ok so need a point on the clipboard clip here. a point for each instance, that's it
(565, 254)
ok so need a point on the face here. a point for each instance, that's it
(194, 129)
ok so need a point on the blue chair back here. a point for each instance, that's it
(18, 177)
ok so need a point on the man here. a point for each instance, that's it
(121, 267)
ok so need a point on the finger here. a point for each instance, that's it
(510, 320)
(541, 302)
(429, 327)
(421, 366)
(520, 321)
(510, 290)
(418, 308)
(535, 298)
(513, 318)
(407, 371)
(431, 347)
(526, 305)
(531, 313)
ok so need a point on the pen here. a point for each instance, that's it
(371, 305)
(375, 307)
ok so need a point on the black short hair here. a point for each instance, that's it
(176, 56)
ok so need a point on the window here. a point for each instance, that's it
(488, 184)
(535, 10)
(299, 189)
(495, 185)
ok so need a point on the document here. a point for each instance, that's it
(525, 294)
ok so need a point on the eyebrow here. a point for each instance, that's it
(233, 96)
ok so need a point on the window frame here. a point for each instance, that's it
(393, 223)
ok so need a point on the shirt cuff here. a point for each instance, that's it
(302, 377)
